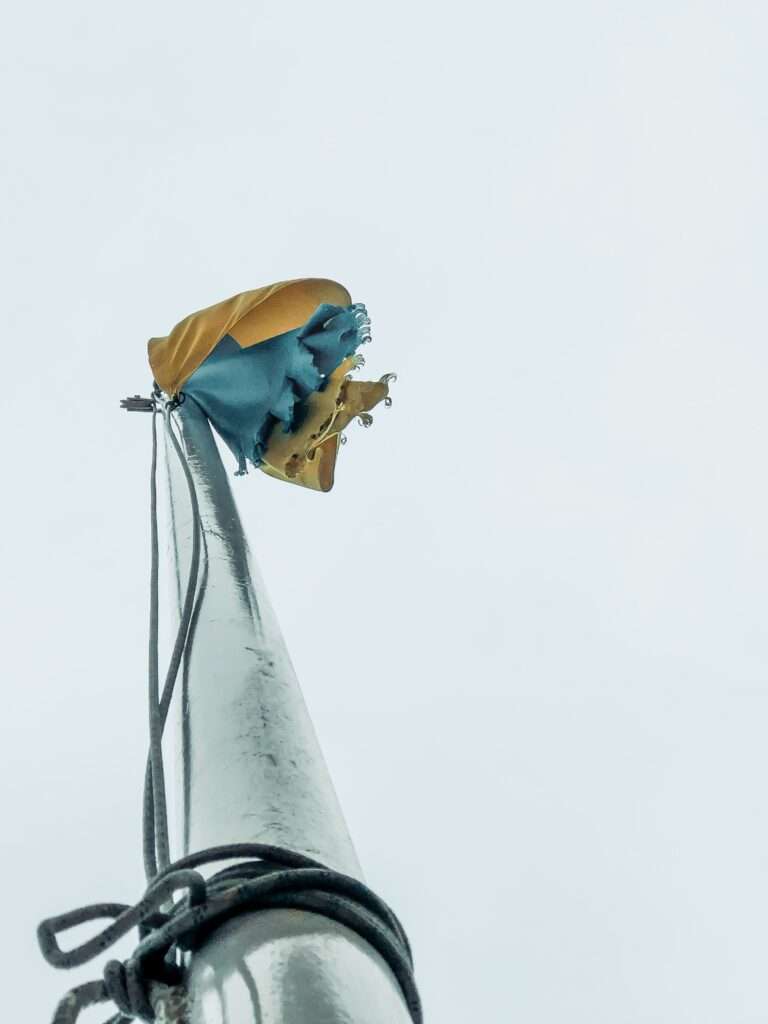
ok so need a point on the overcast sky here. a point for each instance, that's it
(543, 570)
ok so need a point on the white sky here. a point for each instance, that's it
(544, 568)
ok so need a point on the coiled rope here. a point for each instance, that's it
(270, 877)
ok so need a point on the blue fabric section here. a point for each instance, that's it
(245, 391)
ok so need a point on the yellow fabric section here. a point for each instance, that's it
(250, 317)
(307, 456)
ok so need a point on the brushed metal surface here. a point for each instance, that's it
(290, 967)
(250, 764)
(250, 770)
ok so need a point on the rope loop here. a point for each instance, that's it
(278, 879)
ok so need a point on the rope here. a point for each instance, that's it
(155, 822)
(279, 879)
(276, 878)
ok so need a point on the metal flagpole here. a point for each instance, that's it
(249, 769)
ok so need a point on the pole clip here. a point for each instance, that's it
(136, 403)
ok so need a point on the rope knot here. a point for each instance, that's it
(277, 878)
(124, 984)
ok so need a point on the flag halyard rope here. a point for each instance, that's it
(268, 877)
